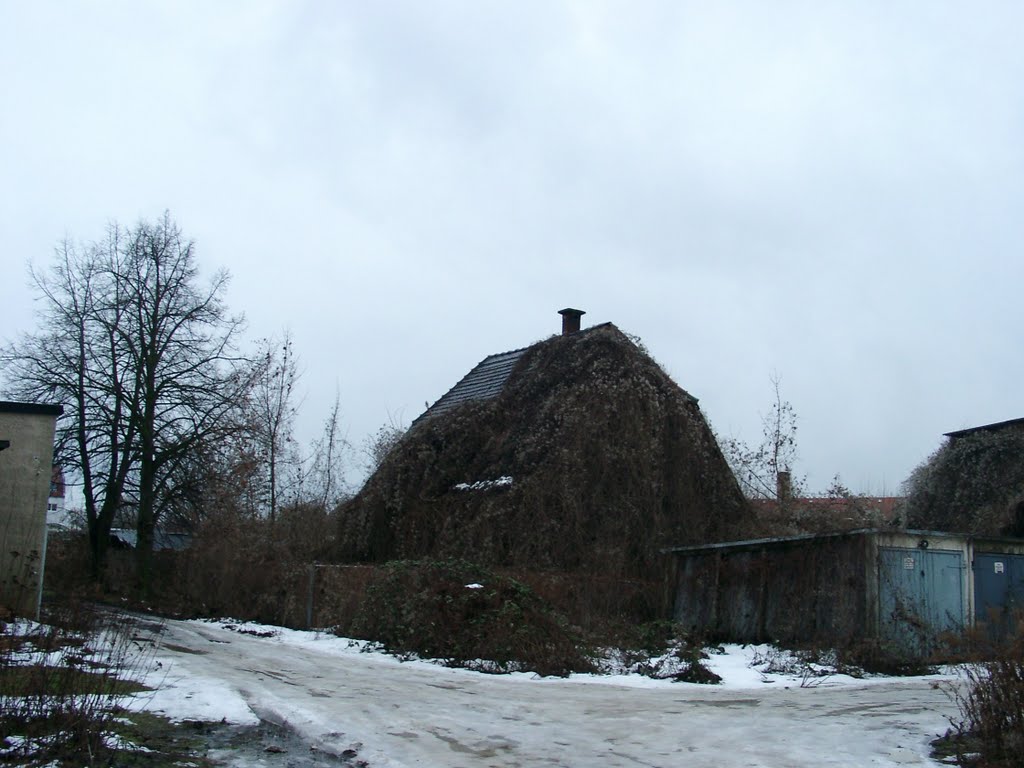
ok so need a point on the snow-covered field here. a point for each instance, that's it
(375, 708)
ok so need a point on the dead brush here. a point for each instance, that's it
(468, 616)
(989, 729)
(805, 665)
(813, 664)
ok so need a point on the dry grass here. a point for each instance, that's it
(62, 683)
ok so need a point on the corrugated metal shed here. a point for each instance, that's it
(906, 588)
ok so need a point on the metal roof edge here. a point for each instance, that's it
(783, 540)
(45, 409)
(766, 541)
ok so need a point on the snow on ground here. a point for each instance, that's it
(182, 695)
(340, 695)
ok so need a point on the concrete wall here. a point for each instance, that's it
(25, 467)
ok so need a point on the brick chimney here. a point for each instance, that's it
(783, 486)
(571, 320)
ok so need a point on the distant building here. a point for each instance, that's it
(125, 538)
(57, 516)
(827, 514)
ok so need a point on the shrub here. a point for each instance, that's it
(468, 616)
(662, 650)
(972, 484)
(693, 669)
(991, 709)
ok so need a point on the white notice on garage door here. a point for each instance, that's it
(908, 563)
(1000, 568)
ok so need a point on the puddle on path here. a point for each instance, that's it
(270, 746)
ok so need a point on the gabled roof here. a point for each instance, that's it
(484, 382)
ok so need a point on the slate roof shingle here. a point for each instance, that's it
(484, 382)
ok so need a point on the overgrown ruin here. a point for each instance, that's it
(581, 456)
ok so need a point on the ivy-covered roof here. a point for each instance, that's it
(578, 453)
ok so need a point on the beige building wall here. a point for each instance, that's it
(25, 470)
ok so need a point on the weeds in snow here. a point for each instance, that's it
(661, 650)
(811, 667)
(62, 683)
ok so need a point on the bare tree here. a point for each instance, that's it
(765, 471)
(324, 482)
(72, 359)
(222, 475)
(272, 410)
(179, 345)
(142, 356)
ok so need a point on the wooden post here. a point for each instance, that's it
(309, 596)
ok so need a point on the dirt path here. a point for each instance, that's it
(390, 714)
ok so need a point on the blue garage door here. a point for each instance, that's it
(920, 596)
(998, 591)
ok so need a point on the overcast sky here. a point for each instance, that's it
(830, 191)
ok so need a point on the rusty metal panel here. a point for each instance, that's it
(998, 592)
(921, 596)
(817, 591)
(697, 594)
(781, 590)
